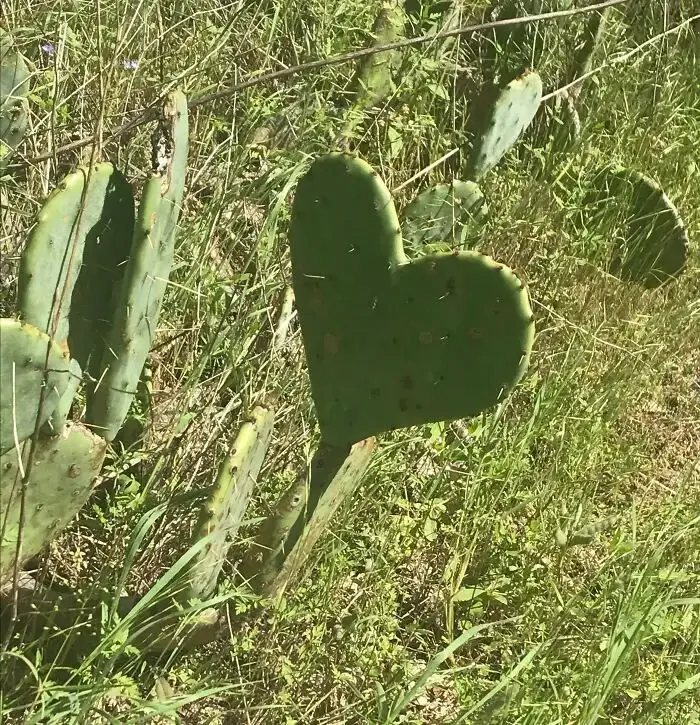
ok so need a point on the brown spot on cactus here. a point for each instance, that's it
(331, 343)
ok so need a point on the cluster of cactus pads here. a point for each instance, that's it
(91, 283)
(451, 212)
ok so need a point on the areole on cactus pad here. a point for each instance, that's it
(392, 343)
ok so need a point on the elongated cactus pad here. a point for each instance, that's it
(52, 260)
(392, 343)
(223, 513)
(650, 242)
(105, 254)
(373, 81)
(146, 277)
(286, 539)
(512, 48)
(29, 362)
(507, 116)
(14, 88)
(63, 473)
(445, 213)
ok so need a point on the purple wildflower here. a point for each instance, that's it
(130, 64)
(48, 48)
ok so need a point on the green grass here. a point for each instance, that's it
(535, 567)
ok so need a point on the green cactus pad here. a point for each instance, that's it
(508, 113)
(391, 343)
(63, 473)
(105, 255)
(73, 213)
(512, 48)
(146, 276)
(650, 242)
(444, 214)
(58, 418)
(14, 88)
(223, 513)
(373, 81)
(286, 538)
(23, 362)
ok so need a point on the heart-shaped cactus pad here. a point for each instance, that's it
(392, 343)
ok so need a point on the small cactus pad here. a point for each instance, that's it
(53, 257)
(514, 47)
(392, 343)
(445, 213)
(650, 242)
(63, 473)
(286, 538)
(24, 369)
(223, 513)
(507, 116)
(145, 279)
(14, 88)
(58, 418)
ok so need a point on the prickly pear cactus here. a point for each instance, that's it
(510, 49)
(77, 212)
(14, 89)
(650, 242)
(60, 415)
(105, 255)
(508, 113)
(392, 343)
(373, 81)
(137, 308)
(29, 363)
(286, 538)
(223, 513)
(63, 473)
(444, 214)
